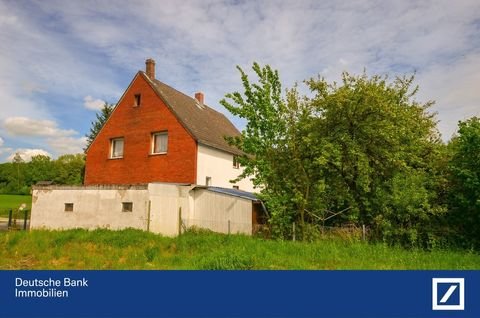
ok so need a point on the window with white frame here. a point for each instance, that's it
(159, 142)
(116, 148)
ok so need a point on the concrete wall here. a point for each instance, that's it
(93, 207)
(213, 211)
(167, 201)
(218, 165)
(156, 208)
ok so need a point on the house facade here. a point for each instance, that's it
(158, 134)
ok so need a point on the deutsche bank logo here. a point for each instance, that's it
(448, 294)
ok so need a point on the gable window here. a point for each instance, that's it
(236, 187)
(116, 148)
(137, 98)
(236, 164)
(208, 181)
(159, 142)
(68, 207)
(127, 206)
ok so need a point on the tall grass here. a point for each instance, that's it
(134, 249)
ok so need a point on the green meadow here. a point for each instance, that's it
(135, 249)
(12, 201)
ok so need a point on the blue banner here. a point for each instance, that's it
(239, 293)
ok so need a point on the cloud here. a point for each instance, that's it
(93, 104)
(455, 89)
(27, 154)
(65, 52)
(67, 145)
(23, 126)
(1, 141)
(41, 133)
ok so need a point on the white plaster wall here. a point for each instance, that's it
(213, 211)
(218, 165)
(166, 202)
(93, 208)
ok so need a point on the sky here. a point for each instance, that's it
(61, 60)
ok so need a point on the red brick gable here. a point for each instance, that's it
(136, 125)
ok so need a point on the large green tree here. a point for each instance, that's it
(464, 189)
(364, 148)
(374, 147)
(97, 124)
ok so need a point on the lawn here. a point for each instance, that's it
(11, 201)
(135, 249)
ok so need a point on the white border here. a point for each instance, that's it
(460, 306)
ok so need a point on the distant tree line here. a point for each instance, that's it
(18, 176)
(363, 150)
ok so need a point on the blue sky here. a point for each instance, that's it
(60, 60)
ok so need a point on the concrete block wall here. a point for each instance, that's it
(93, 207)
(156, 208)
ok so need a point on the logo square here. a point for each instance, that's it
(448, 294)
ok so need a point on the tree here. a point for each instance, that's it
(364, 147)
(374, 147)
(101, 119)
(465, 182)
(276, 156)
(70, 169)
(40, 168)
(18, 164)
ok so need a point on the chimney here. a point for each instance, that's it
(200, 97)
(150, 68)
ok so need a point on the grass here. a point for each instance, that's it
(12, 201)
(135, 249)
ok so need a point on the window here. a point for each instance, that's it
(127, 206)
(68, 207)
(208, 181)
(236, 164)
(159, 142)
(236, 187)
(136, 100)
(116, 148)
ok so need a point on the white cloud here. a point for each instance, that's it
(1, 141)
(93, 104)
(455, 89)
(41, 133)
(23, 126)
(27, 154)
(83, 51)
(67, 145)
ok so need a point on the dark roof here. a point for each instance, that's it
(206, 125)
(232, 192)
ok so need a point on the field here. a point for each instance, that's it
(134, 249)
(9, 201)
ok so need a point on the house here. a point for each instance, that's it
(158, 134)
(160, 163)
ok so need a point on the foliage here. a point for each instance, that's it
(464, 190)
(364, 148)
(97, 124)
(273, 146)
(135, 249)
(17, 177)
(375, 148)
